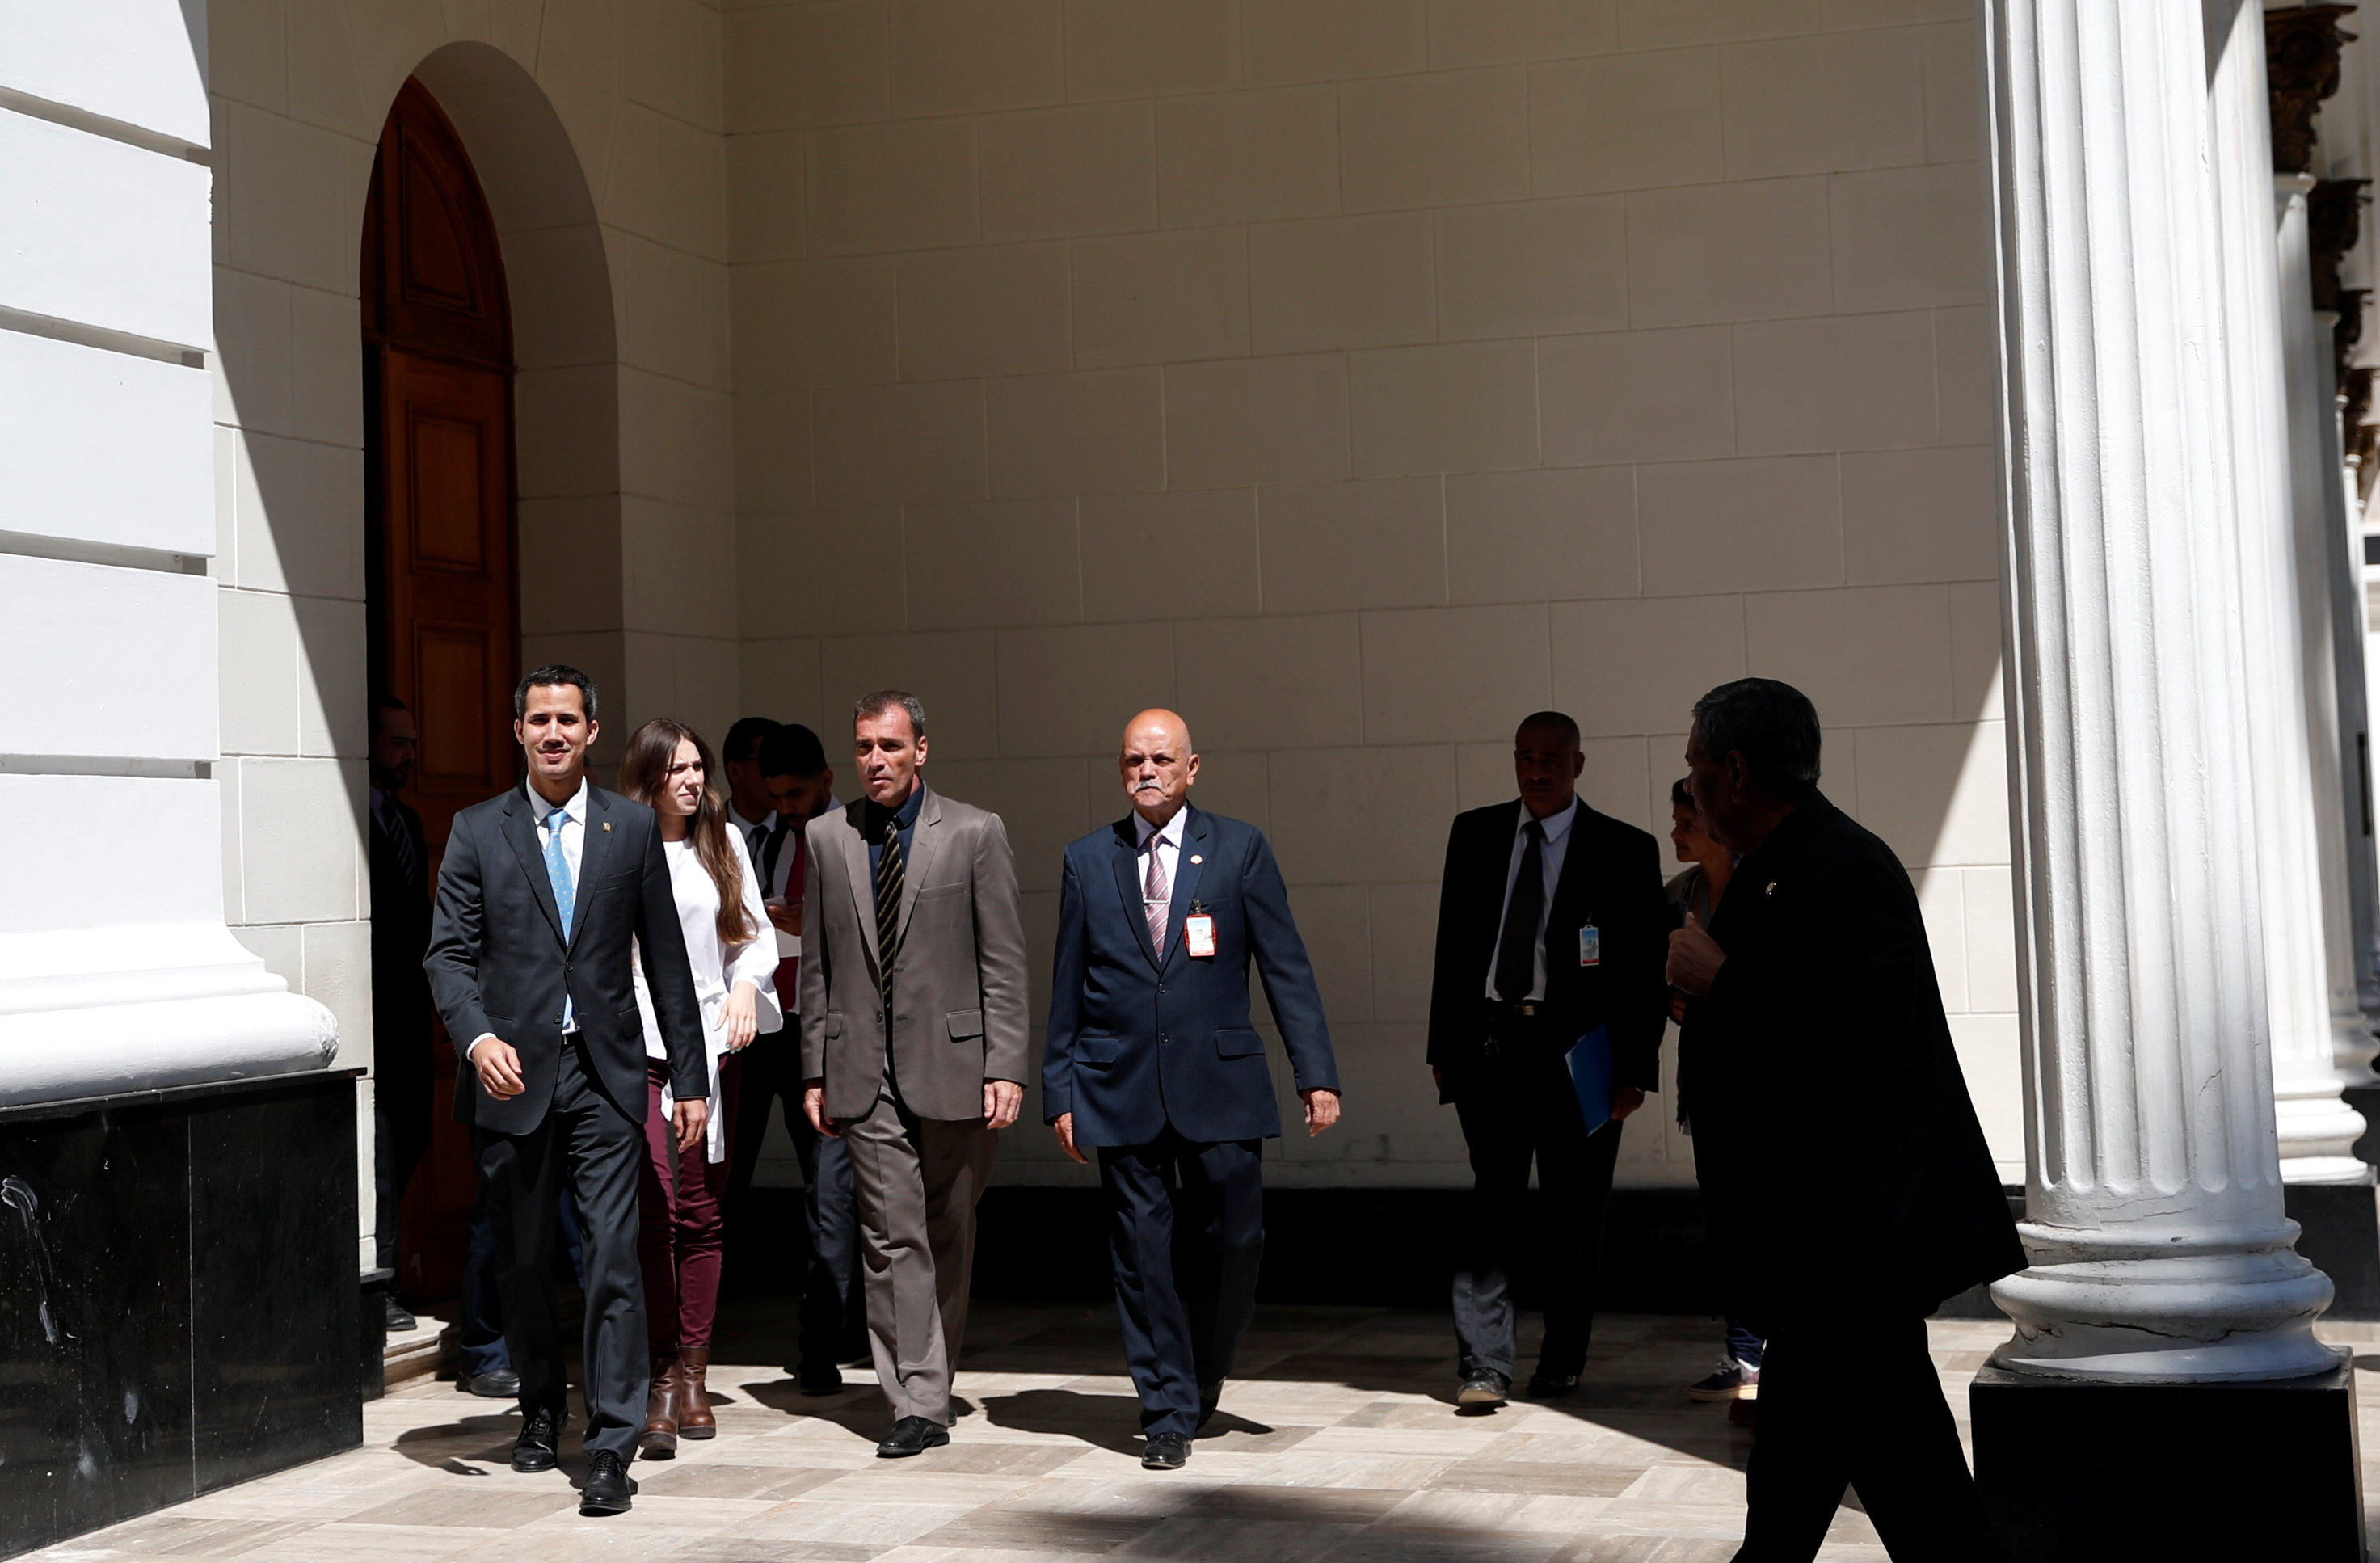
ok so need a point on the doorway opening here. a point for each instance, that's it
(441, 562)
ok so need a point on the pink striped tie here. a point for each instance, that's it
(1156, 897)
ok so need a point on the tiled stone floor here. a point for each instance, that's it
(1338, 1446)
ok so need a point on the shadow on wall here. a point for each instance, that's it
(311, 498)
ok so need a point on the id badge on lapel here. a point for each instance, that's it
(1590, 945)
(1198, 933)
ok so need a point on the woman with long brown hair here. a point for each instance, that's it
(668, 767)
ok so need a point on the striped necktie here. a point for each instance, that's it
(889, 877)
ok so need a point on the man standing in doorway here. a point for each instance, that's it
(1153, 1059)
(1549, 929)
(401, 1009)
(542, 891)
(912, 1043)
(1815, 1041)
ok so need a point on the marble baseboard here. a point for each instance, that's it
(183, 1269)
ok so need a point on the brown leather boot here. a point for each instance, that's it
(658, 1440)
(694, 1415)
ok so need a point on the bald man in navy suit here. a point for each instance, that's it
(1153, 1061)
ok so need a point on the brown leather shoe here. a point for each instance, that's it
(694, 1414)
(659, 1439)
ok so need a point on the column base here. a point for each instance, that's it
(2339, 1233)
(2070, 1471)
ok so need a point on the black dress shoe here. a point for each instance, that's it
(827, 1380)
(910, 1435)
(1482, 1389)
(503, 1384)
(1166, 1451)
(534, 1449)
(1551, 1386)
(608, 1489)
(399, 1321)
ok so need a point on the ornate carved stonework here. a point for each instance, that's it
(2333, 222)
(2302, 48)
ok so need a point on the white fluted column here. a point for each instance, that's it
(2328, 617)
(2154, 1203)
(2318, 1130)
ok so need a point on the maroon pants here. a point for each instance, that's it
(679, 1200)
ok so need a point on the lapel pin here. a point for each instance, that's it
(1196, 859)
(607, 826)
(1770, 891)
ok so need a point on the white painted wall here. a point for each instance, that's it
(114, 935)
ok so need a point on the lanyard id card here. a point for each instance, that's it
(1590, 945)
(1198, 933)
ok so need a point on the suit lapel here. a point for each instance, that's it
(520, 830)
(594, 855)
(1187, 869)
(854, 868)
(924, 846)
(1128, 878)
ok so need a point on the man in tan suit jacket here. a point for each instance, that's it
(912, 1043)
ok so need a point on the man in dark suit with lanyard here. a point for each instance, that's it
(1815, 1041)
(1152, 1059)
(541, 892)
(1551, 925)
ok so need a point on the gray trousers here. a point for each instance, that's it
(918, 1180)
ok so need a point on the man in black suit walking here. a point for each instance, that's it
(541, 892)
(401, 1013)
(1815, 1041)
(1549, 926)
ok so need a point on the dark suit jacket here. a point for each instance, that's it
(1141, 1039)
(400, 937)
(498, 964)
(1819, 1070)
(1611, 876)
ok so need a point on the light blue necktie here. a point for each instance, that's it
(557, 870)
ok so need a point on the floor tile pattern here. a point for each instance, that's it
(1338, 1444)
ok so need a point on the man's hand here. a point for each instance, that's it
(814, 1104)
(692, 1117)
(1321, 1110)
(1625, 1099)
(499, 1068)
(1064, 1124)
(787, 917)
(1677, 1006)
(1002, 1099)
(1695, 958)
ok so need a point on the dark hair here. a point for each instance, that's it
(644, 771)
(554, 673)
(1560, 722)
(881, 702)
(793, 750)
(1679, 796)
(1772, 725)
(746, 738)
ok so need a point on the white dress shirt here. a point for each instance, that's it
(742, 828)
(1557, 828)
(573, 843)
(717, 967)
(1164, 839)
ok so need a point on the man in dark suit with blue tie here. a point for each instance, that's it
(1153, 1061)
(542, 890)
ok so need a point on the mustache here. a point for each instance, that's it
(1151, 785)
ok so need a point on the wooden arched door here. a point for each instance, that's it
(444, 604)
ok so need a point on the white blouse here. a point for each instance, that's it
(717, 967)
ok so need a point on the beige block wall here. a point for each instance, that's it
(1356, 376)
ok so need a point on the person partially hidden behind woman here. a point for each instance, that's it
(1696, 889)
(668, 767)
